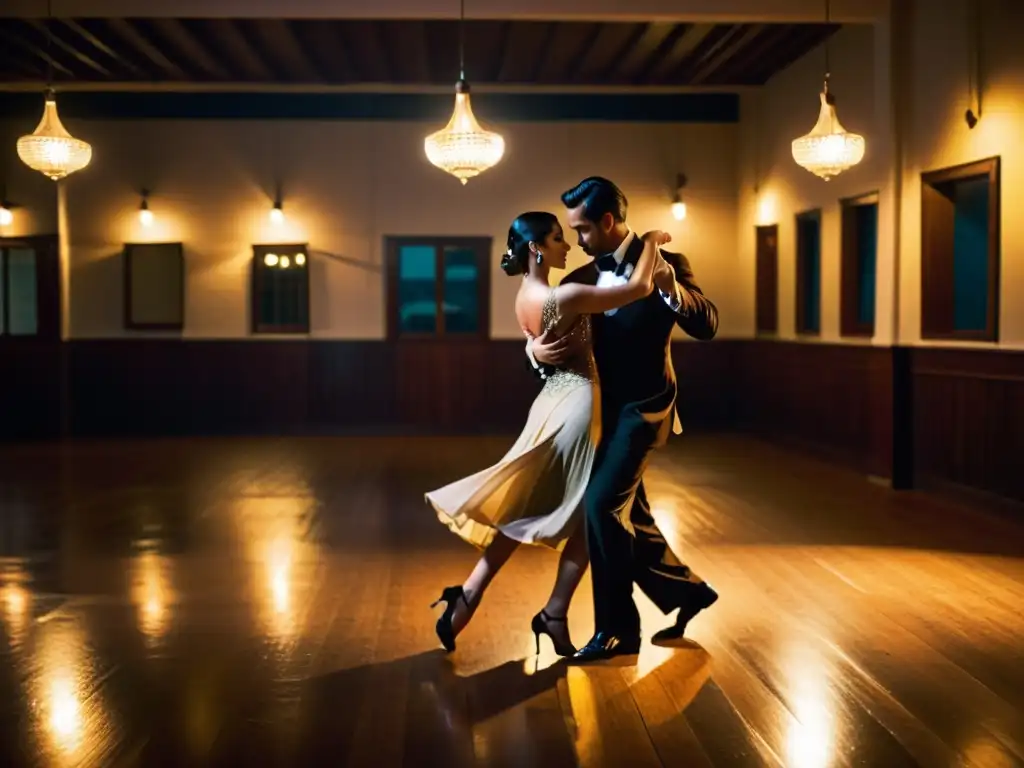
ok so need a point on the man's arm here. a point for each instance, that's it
(695, 314)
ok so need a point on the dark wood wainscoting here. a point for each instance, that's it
(921, 416)
(175, 387)
(927, 414)
(31, 390)
(968, 416)
(835, 399)
(231, 387)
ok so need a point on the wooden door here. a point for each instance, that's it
(438, 321)
(767, 268)
(31, 370)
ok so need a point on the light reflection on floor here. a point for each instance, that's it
(294, 600)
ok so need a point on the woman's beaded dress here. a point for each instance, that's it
(534, 494)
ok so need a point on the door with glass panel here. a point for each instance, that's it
(30, 355)
(438, 318)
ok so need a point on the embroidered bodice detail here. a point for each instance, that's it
(576, 372)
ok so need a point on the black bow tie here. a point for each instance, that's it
(607, 263)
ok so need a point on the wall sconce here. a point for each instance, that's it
(6, 214)
(678, 206)
(277, 212)
(145, 215)
(273, 260)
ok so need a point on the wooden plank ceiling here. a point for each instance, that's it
(329, 52)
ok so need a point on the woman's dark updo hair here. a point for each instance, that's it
(532, 227)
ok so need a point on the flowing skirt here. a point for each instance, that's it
(534, 494)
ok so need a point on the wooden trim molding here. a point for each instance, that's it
(801, 274)
(937, 258)
(849, 290)
(129, 321)
(767, 278)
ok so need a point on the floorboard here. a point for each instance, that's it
(265, 602)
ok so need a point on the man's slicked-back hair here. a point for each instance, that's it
(598, 196)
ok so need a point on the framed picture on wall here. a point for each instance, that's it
(154, 286)
(280, 288)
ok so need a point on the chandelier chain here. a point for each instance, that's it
(462, 39)
(828, 40)
(49, 44)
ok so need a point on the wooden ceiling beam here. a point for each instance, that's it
(803, 40)
(410, 53)
(547, 40)
(275, 37)
(501, 52)
(133, 37)
(193, 50)
(682, 49)
(723, 53)
(406, 42)
(19, 41)
(675, 11)
(323, 43)
(101, 46)
(68, 48)
(642, 53)
(366, 46)
(14, 67)
(570, 44)
(613, 43)
(523, 49)
(739, 68)
(239, 49)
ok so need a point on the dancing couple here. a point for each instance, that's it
(573, 480)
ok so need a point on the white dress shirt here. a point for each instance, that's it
(607, 279)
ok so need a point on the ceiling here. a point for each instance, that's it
(285, 52)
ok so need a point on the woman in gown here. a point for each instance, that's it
(534, 494)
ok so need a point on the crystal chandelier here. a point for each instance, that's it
(463, 148)
(50, 149)
(829, 149)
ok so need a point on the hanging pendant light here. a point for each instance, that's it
(463, 148)
(50, 149)
(829, 149)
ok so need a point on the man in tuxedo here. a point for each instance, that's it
(638, 410)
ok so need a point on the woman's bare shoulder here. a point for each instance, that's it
(530, 307)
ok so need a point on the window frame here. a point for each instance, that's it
(129, 323)
(849, 277)
(481, 246)
(259, 251)
(48, 297)
(801, 277)
(937, 287)
(760, 280)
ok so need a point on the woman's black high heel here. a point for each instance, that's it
(539, 625)
(450, 596)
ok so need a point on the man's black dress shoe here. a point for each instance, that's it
(703, 597)
(605, 645)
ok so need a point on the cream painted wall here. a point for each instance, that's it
(773, 189)
(926, 97)
(939, 137)
(347, 186)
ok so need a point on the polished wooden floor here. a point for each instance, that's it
(265, 602)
